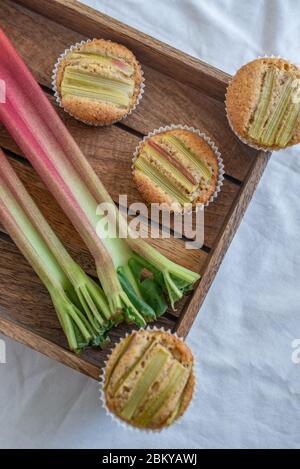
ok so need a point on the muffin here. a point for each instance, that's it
(98, 82)
(263, 103)
(176, 168)
(149, 379)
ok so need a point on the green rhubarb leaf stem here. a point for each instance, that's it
(38, 255)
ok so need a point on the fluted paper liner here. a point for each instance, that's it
(117, 419)
(57, 94)
(213, 146)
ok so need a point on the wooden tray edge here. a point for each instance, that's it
(48, 348)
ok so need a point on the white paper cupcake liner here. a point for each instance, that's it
(252, 145)
(213, 146)
(121, 422)
(58, 98)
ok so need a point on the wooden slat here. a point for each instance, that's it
(169, 101)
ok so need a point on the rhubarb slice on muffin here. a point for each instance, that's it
(176, 168)
(98, 82)
(149, 379)
(263, 103)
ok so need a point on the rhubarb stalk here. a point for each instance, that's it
(39, 132)
(80, 303)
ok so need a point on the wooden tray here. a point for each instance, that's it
(179, 89)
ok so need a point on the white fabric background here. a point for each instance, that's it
(249, 389)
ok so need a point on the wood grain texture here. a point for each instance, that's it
(179, 89)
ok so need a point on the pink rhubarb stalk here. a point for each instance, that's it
(42, 136)
(36, 128)
(79, 302)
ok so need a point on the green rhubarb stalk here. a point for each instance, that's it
(175, 376)
(89, 293)
(286, 132)
(178, 145)
(43, 138)
(106, 95)
(87, 85)
(171, 169)
(261, 112)
(268, 136)
(83, 324)
(143, 165)
(144, 383)
(73, 75)
(172, 277)
(25, 116)
(121, 371)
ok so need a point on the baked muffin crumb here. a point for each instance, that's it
(176, 168)
(98, 82)
(149, 379)
(263, 103)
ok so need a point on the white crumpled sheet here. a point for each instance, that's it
(249, 389)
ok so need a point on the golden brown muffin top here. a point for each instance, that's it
(176, 167)
(260, 103)
(99, 82)
(149, 379)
